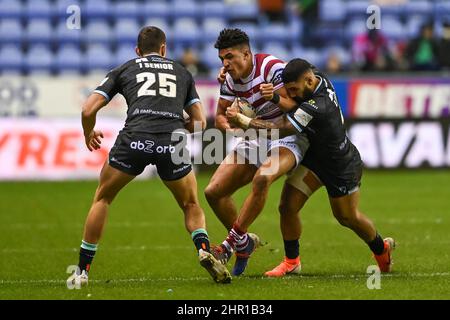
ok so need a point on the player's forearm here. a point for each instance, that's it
(89, 112)
(273, 129)
(88, 122)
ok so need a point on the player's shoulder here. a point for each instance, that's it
(321, 101)
(268, 65)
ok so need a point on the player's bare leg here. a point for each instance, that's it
(346, 211)
(110, 183)
(279, 163)
(232, 174)
(185, 192)
(293, 198)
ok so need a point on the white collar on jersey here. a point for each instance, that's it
(320, 83)
(152, 54)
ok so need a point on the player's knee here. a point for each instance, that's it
(212, 193)
(261, 183)
(105, 195)
(190, 206)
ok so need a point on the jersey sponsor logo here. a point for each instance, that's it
(302, 117)
(147, 147)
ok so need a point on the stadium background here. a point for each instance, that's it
(396, 110)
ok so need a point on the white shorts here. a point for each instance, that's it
(255, 151)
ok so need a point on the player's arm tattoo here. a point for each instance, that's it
(282, 127)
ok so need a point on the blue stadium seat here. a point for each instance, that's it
(242, 11)
(124, 53)
(332, 10)
(275, 32)
(277, 50)
(251, 29)
(211, 28)
(39, 9)
(210, 56)
(422, 7)
(392, 28)
(10, 9)
(39, 59)
(356, 8)
(159, 9)
(39, 31)
(126, 9)
(162, 24)
(185, 9)
(61, 7)
(68, 58)
(313, 56)
(11, 31)
(102, 9)
(65, 35)
(186, 31)
(354, 28)
(98, 58)
(97, 32)
(442, 9)
(213, 9)
(126, 30)
(11, 58)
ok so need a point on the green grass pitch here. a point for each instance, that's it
(147, 254)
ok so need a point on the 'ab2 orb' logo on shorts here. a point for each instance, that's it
(147, 146)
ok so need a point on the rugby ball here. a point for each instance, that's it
(245, 108)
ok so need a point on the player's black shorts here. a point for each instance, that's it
(132, 152)
(339, 181)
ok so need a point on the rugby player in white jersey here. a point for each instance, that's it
(247, 76)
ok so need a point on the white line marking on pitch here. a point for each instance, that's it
(362, 276)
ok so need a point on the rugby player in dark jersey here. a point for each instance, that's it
(156, 90)
(332, 157)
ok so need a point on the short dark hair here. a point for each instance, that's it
(231, 37)
(294, 69)
(150, 39)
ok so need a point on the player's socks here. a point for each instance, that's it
(291, 249)
(87, 253)
(237, 239)
(201, 240)
(377, 245)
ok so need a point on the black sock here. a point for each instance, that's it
(86, 257)
(201, 240)
(377, 245)
(291, 248)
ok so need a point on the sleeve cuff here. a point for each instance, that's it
(294, 123)
(190, 103)
(103, 94)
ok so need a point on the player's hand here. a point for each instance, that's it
(232, 112)
(93, 140)
(222, 75)
(266, 91)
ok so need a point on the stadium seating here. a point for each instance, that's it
(68, 59)
(196, 23)
(11, 59)
(38, 31)
(39, 59)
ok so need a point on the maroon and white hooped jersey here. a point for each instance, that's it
(266, 69)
